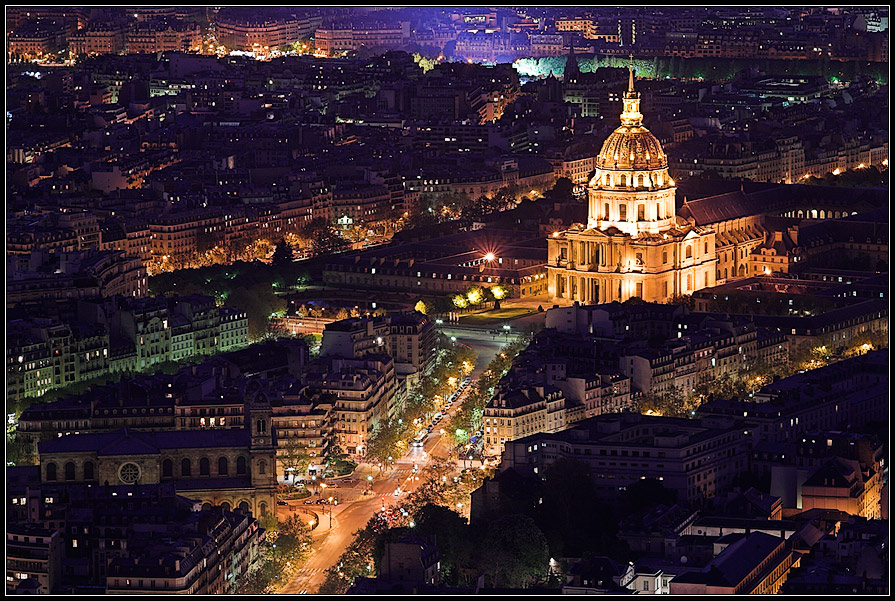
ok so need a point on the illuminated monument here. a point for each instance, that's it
(634, 244)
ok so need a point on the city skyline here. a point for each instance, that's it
(447, 300)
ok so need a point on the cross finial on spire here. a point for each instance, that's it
(631, 74)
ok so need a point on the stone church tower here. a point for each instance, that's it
(633, 245)
(262, 444)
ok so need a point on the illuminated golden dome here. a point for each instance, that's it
(632, 147)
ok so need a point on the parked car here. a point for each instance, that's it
(309, 502)
(282, 503)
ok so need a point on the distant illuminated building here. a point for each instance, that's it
(633, 244)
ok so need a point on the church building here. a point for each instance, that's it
(234, 468)
(634, 244)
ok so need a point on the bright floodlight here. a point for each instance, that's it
(489, 257)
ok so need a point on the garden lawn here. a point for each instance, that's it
(492, 317)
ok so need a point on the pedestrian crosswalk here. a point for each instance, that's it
(310, 571)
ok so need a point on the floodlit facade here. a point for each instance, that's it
(633, 244)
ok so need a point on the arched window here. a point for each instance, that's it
(607, 179)
(240, 465)
(51, 471)
(88, 470)
(640, 181)
(222, 466)
(262, 467)
(689, 281)
(813, 213)
(262, 426)
(206, 506)
(658, 211)
(688, 252)
(263, 509)
(69, 471)
(823, 214)
(167, 468)
(641, 213)
(606, 211)
(622, 212)
(664, 256)
(225, 506)
(204, 467)
(185, 468)
(623, 181)
(244, 506)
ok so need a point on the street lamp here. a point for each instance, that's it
(370, 482)
(330, 512)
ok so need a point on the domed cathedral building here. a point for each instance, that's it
(634, 244)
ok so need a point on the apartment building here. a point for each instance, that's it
(304, 423)
(34, 557)
(363, 392)
(237, 30)
(697, 458)
(97, 38)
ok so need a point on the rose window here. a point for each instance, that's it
(129, 473)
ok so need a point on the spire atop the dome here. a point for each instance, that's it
(631, 102)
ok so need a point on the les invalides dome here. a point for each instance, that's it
(632, 146)
(633, 244)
